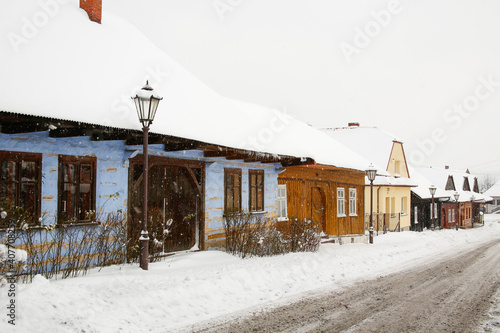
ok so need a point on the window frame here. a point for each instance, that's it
(283, 200)
(227, 173)
(19, 158)
(65, 216)
(404, 205)
(353, 202)
(340, 202)
(256, 203)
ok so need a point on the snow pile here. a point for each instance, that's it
(190, 288)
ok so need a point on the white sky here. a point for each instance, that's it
(429, 56)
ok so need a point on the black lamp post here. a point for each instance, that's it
(432, 189)
(146, 103)
(456, 196)
(371, 172)
(472, 198)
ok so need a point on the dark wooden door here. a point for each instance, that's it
(174, 206)
(318, 207)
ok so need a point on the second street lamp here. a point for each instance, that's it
(146, 102)
(432, 189)
(371, 173)
(456, 195)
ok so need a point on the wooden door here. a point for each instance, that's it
(318, 207)
(175, 205)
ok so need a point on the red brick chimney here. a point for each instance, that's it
(353, 124)
(93, 8)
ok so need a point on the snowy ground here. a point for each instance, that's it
(197, 287)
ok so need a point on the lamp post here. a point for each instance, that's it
(371, 172)
(146, 102)
(472, 198)
(432, 189)
(456, 195)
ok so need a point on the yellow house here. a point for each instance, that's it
(392, 186)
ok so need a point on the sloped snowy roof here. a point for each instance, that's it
(73, 69)
(370, 142)
(439, 177)
(493, 191)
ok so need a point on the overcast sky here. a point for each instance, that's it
(426, 71)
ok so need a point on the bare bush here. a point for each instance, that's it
(248, 235)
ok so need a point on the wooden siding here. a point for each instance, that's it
(308, 185)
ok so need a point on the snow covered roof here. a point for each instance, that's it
(67, 67)
(439, 177)
(493, 191)
(370, 142)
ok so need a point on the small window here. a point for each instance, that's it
(20, 179)
(397, 168)
(453, 215)
(256, 193)
(232, 190)
(340, 202)
(352, 202)
(282, 209)
(76, 189)
(404, 208)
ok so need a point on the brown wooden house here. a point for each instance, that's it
(329, 195)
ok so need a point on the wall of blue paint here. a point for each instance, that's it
(112, 175)
(112, 171)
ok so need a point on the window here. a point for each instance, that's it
(20, 179)
(340, 202)
(282, 213)
(76, 188)
(256, 193)
(435, 210)
(453, 215)
(404, 209)
(397, 169)
(232, 190)
(352, 202)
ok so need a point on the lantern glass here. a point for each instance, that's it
(371, 173)
(146, 103)
(432, 189)
(456, 195)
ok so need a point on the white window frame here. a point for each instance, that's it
(352, 202)
(340, 202)
(435, 210)
(282, 203)
(403, 206)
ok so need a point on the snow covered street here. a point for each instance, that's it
(192, 288)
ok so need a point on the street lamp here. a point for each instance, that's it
(146, 102)
(456, 195)
(432, 189)
(472, 198)
(371, 173)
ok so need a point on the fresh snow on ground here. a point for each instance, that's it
(191, 288)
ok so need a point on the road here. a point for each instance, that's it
(448, 295)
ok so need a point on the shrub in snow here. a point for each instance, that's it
(68, 250)
(248, 235)
(11, 259)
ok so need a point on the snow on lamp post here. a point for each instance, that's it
(432, 189)
(146, 102)
(456, 196)
(371, 172)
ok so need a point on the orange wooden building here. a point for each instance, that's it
(332, 196)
